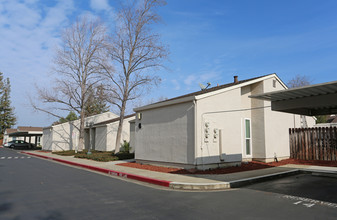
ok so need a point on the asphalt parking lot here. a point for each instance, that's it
(33, 188)
(302, 185)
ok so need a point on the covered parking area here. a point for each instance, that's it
(27, 135)
(318, 99)
(319, 143)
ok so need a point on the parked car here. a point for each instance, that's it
(19, 144)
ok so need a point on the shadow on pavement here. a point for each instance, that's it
(302, 185)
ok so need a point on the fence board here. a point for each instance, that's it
(313, 143)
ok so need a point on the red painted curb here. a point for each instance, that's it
(107, 171)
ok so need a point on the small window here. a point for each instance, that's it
(248, 145)
(274, 83)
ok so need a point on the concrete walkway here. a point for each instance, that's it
(178, 181)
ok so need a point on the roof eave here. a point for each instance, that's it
(202, 96)
(167, 103)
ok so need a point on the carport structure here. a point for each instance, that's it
(318, 99)
(28, 132)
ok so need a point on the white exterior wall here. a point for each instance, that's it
(132, 136)
(227, 111)
(311, 121)
(277, 126)
(166, 134)
(112, 133)
(220, 111)
(65, 136)
(47, 139)
(258, 122)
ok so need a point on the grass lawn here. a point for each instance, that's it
(103, 156)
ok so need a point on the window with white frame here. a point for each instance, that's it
(248, 139)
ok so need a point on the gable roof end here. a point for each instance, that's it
(207, 92)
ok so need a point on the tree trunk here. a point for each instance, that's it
(82, 117)
(121, 115)
(81, 131)
(120, 127)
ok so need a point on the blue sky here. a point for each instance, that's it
(209, 41)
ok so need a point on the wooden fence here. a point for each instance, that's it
(313, 143)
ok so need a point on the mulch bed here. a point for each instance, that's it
(244, 167)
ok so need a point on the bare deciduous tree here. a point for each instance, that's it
(299, 81)
(78, 63)
(135, 52)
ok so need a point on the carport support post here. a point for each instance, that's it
(30, 139)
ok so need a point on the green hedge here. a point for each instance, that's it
(97, 155)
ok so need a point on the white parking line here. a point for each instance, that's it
(2, 158)
(309, 202)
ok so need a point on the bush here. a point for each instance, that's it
(125, 156)
(125, 147)
(103, 156)
(97, 155)
(65, 153)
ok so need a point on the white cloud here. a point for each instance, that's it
(208, 76)
(176, 84)
(30, 32)
(190, 79)
(100, 5)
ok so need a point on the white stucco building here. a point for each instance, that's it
(106, 131)
(215, 127)
(100, 133)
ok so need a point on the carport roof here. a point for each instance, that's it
(318, 99)
(23, 134)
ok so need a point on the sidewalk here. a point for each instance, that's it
(178, 181)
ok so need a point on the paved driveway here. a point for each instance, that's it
(302, 185)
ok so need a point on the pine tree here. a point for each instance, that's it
(70, 117)
(97, 103)
(7, 116)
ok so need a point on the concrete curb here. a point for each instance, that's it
(324, 173)
(107, 171)
(231, 184)
(191, 186)
(247, 181)
(200, 186)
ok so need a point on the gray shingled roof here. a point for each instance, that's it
(212, 89)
